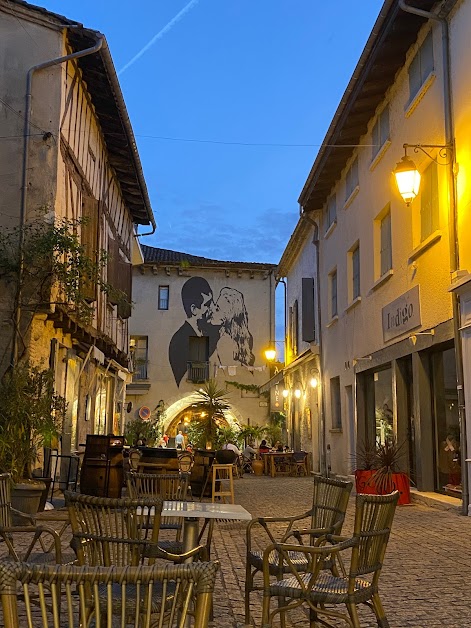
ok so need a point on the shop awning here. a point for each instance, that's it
(276, 379)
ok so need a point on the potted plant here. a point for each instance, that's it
(31, 415)
(378, 472)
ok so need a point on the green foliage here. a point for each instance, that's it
(273, 433)
(31, 416)
(213, 402)
(385, 458)
(253, 433)
(53, 256)
(138, 429)
(248, 387)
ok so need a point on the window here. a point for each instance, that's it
(163, 297)
(333, 294)
(421, 66)
(198, 353)
(293, 328)
(429, 202)
(138, 351)
(335, 405)
(351, 180)
(356, 272)
(308, 320)
(385, 245)
(331, 211)
(380, 133)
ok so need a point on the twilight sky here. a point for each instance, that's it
(204, 78)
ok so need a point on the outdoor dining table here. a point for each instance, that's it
(192, 512)
(269, 460)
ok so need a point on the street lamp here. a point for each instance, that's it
(406, 173)
(270, 354)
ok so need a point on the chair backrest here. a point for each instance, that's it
(138, 596)
(122, 518)
(5, 500)
(225, 456)
(134, 457)
(329, 503)
(186, 462)
(299, 456)
(172, 486)
(374, 515)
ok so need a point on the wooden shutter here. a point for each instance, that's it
(125, 274)
(89, 239)
(308, 319)
(113, 276)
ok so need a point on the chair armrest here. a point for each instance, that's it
(154, 551)
(24, 515)
(298, 534)
(264, 522)
(316, 556)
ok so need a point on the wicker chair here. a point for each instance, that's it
(320, 589)
(186, 462)
(119, 520)
(326, 516)
(171, 486)
(170, 597)
(8, 530)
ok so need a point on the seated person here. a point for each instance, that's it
(264, 448)
(249, 452)
(278, 446)
(232, 447)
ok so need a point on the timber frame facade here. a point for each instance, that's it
(82, 163)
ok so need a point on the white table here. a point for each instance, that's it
(193, 511)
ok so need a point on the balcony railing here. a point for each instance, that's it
(197, 372)
(139, 370)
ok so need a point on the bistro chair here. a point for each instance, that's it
(106, 520)
(168, 486)
(326, 516)
(8, 531)
(298, 463)
(186, 462)
(169, 597)
(134, 457)
(321, 590)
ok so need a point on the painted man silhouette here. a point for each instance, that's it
(197, 299)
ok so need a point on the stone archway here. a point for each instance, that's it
(176, 408)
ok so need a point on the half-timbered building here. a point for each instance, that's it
(68, 152)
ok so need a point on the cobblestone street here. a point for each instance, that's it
(425, 582)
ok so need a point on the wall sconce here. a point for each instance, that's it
(406, 174)
(315, 376)
(356, 360)
(413, 337)
(270, 354)
(285, 393)
(297, 393)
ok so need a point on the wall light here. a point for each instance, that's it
(270, 354)
(297, 393)
(314, 381)
(285, 393)
(406, 173)
(413, 337)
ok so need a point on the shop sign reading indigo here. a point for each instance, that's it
(402, 315)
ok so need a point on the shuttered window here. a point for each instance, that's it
(429, 207)
(308, 317)
(90, 242)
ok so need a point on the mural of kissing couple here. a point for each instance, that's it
(222, 323)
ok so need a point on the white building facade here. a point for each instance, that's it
(387, 327)
(197, 319)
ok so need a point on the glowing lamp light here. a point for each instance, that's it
(285, 393)
(297, 393)
(314, 382)
(270, 354)
(407, 179)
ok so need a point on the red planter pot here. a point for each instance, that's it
(364, 483)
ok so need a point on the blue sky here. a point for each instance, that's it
(235, 71)
(268, 73)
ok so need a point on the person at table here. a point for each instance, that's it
(263, 448)
(179, 440)
(278, 446)
(232, 447)
(249, 452)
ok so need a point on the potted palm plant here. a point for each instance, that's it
(378, 471)
(31, 415)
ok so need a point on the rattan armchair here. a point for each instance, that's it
(8, 531)
(170, 597)
(166, 486)
(321, 590)
(326, 516)
(119, 519)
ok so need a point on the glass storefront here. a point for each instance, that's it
(446, 421)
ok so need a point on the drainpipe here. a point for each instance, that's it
(323, 458)
(24, 182)
(453, 234)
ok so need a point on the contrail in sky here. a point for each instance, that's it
(160, 34)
